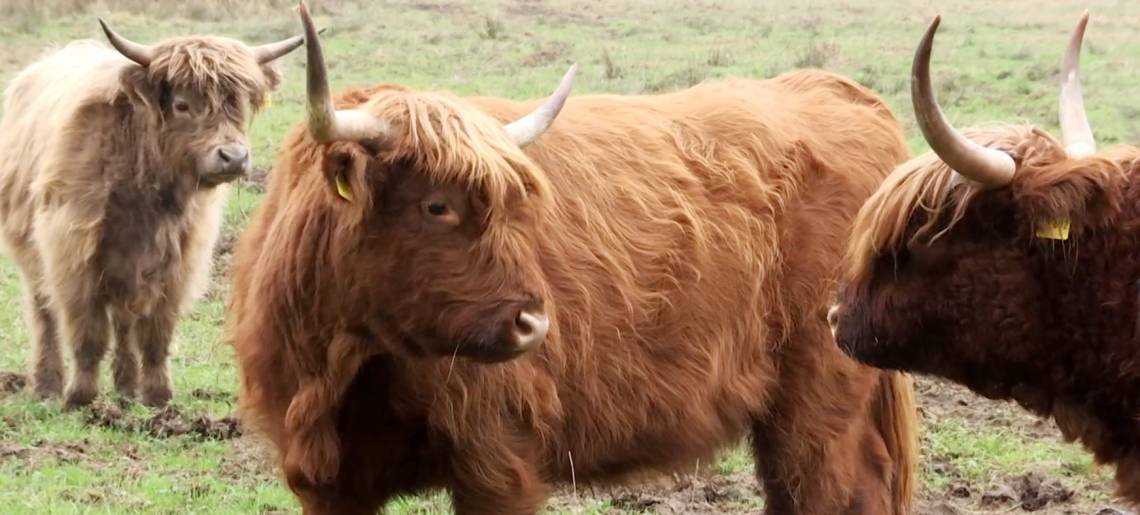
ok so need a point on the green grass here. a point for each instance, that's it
(992, 62)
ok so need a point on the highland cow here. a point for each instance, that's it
(114, 168)
(495, 297)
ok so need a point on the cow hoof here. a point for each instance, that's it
(47, 392)
(78, 398)
(157, 397)
(127, 391)
(47, 388)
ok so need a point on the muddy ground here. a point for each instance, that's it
(704, 492)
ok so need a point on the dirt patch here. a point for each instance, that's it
(170, 422)
(532, 9)
(167, 423)
(11, 382)
(703, 494)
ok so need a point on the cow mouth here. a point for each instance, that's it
(219, 178)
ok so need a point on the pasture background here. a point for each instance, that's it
(993, 62)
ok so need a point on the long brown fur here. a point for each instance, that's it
(949, 279)
(107, 220)
(684, 246)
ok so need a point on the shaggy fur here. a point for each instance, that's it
(684, 246)
(103, 207)
(951, 280)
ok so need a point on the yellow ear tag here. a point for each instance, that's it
(1056, 229)
(267, 101)
(343, 188)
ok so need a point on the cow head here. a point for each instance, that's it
(447, 207)
(947, 257)
(198, 95)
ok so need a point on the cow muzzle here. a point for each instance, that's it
(226, 163)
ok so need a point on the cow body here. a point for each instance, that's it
(685, 252)
(111, 199)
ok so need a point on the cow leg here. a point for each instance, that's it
(125, 363)
(509, 487)
(335, 505)
(87, 329)
(153, 335)
(812, 448)
(47, 363)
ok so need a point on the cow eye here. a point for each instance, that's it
(182, 107)
(437, 208)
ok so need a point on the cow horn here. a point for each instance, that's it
(326, 124)
(272, 51)
(984, 165)
(528, 128)
(141, 54)
(1075, 130)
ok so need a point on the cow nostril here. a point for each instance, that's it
(530, 329)
(232, 154)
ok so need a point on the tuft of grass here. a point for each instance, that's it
(815, 55)
(491, 29)
(720, 57)
(612, 70)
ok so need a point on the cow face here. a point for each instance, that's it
(200, 93)
(965, 306)
(208, 137)
(440, 273)
(447, 209)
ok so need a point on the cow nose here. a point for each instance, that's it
(234, 158)
(530, 329)
(833, 318)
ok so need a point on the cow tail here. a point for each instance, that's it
(896, 417)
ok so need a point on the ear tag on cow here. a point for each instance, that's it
(343, 188)
(1055, 229)
(267, 101)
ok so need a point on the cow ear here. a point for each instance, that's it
(1070, 195)
(273, 76)
(345, 169)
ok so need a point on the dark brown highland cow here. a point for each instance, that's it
(434, 296)
(114, 166)
(1008, 261)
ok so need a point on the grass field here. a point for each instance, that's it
(993, 62)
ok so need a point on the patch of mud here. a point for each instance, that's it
(1029, 492)
(11, 382)
(44, 451)
(169, 422)
(705, 494)
(942, 400)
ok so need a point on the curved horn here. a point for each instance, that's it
(326, 124)
(272, 51)
(528, 128)
(1075, 130)
(141, 54)
(984, 165)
